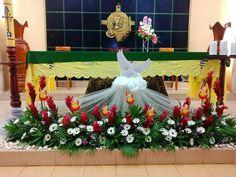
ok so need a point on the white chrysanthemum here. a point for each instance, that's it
(212, 140)
(78, 141)
(188, 130)
(130, 138)
(146, 131)
(165, 132)
(16, 121)
(170, 122)
(203, 118)
(168, 138)
(47, 137)
(33, 129)
(82, 126)
(200, 130)
(123, 120)
(60, 120)
(70, 131)
(105, 120)
(140, 128)
(90, 128)
(214, 113)
(136, 120)
(27, 122)
(223, 122)
(127, 126)
(111, 131)
(148, 139)
(124, 132)
(191, 122)
(100, 122)
(63, 141)
(53, 127)
(76, 131)
(173, 133)
(191, 141)
(23, 136)
(73, 119)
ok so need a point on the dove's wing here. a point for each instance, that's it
(123, 62)
(142, 66)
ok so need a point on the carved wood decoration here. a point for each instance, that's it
(22, 48)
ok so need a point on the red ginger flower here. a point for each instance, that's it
(187, 101)
(96, 127)
(46, 117)
(128, 118)
(96, 112)
(176, 112)
(32, 93)
(209, 79)
(209, 120)
(51, 104)
(68, 101)
(66, 120)
(42, 82)
(217, 89)
(111, 117)
(146, 107)
(83, 118)
(33, 110)
(72, 104)
(148, 123)
(207, 107)
(198, 113)
(184, 121)
(163, 116)
(220, 109)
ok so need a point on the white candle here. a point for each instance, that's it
(233, 48)
(223, 48)
(9, 22)
(213, 48)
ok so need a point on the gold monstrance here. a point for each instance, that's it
(118, 24)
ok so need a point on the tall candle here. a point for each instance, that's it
(223, 48)
(8, 14)
(213, 48)
(233, 48)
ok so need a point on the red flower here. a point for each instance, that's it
(184, 121)
(128, 118)
(148, 122)
(111, 117)
(34, 110)
(198, 113)
(146, 107)
(96, 112)
(51, 104)
(32, 93)
(209, 79)
(68, 101)
(176, 112)
(217, 89)
(72, 104)
(42, 82)
(114, 108)
(163, 116)
(83, 118)
(66, 120)
(96, 127)
(207, 107)
(187, 101)
(46, 117)
(220, 109)
(209, 120)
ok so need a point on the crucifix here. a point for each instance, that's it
(118, 24)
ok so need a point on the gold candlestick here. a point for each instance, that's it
(8, 14)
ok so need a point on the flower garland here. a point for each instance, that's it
(107, 128)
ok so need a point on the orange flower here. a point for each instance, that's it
(150, 112)
(75, 105)
(185, 110)
(203, 93)
(105, 110)
(43, 95)
(129, 98)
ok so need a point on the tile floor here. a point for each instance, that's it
(208, 170)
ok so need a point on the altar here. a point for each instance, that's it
(103, 64)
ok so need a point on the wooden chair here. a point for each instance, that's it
(169, 49)
(64, 48)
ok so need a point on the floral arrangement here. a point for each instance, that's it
(145, 30)
(105, 127)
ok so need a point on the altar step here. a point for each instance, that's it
(115, 157)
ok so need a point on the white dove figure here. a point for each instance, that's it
(127, 65)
